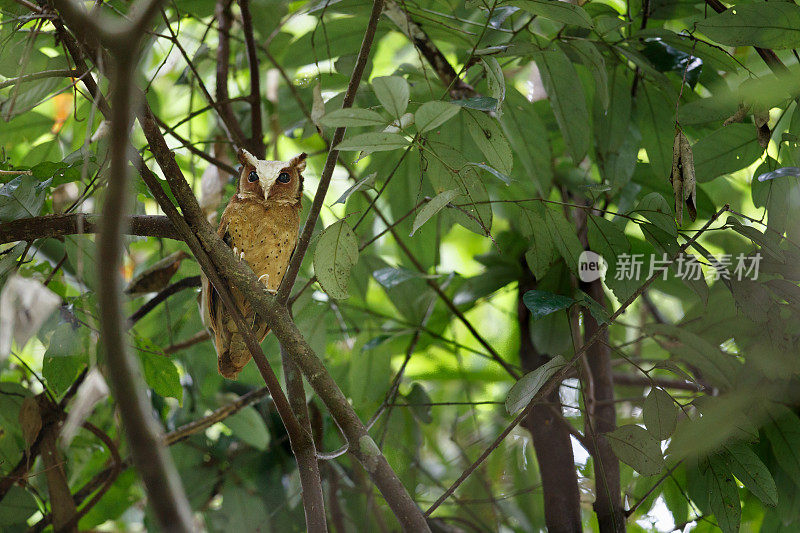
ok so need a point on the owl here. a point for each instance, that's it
(260, 224)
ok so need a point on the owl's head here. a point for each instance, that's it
(281, 181)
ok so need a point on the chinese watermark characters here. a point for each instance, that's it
(687, 267)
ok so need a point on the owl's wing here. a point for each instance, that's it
(214, 305)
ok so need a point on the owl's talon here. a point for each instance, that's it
(236, 251)
(241, 256)
(263, 276)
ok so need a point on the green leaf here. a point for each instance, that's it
(373, 142)
(487, 134)
(495, 80)
(528, 138)
(634, 446)
(18, 505)
(718, 367)
(566, 98)
(493, 171)
(523, 391)
(723, 495)
(607, 239)
(542, 252)
(597, 311)
(593, 60)
(352, 116)
(751, 471)
(558, 11)
(725, 150)
(656, 209)
(431, 208)
(431, 115)
(334, 256)
(784, 437)
(360, 184)
(563, 235)
(447, 169)
(655, 115)
(660, 414)
(542, 303)
(393, 94)
(22, 197)
(773, 25)
(481, 103)
(60, 372)
(419, 401)
(160, 373)
(249, 426)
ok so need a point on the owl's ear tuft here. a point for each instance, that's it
(246, 158)
(299, 162)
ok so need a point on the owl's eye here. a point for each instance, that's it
(284, 177)
(253, 177)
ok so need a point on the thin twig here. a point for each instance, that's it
(333, 155)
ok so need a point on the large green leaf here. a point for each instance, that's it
(566, 99)
(373, 142)
(767, 25)
(352, 116)
(751, 471)
(160, 372)
(431, 208)
(249, 426)
(431, 115)
(335, 255)
(660, 414)
(22, 197)
(723, 495)
(558, 11)
(529, 140)
(393, 93)
(542, 303)
(783, 433)
(726, 150)
(486, 133)
(526, 388)
(655, 116)
(564, 237)
(634, 446)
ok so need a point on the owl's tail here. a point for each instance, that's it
(232, 351)
(232, 355)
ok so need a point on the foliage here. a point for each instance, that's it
(451, 263)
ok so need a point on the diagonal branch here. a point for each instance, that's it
(333, 155)
(444, 70)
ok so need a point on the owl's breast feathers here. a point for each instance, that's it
(263, 233)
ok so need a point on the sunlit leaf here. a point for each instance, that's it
(335, 255)
(526, 388)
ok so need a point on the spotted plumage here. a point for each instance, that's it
(260, 224)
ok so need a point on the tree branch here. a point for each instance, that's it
(257, 146)
(449, 77)
(224, 109)
(166, 292)
(333, 155)
(166, 495)
(57, 226)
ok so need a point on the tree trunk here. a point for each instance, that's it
(551, 438)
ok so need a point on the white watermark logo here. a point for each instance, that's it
(591, 266)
